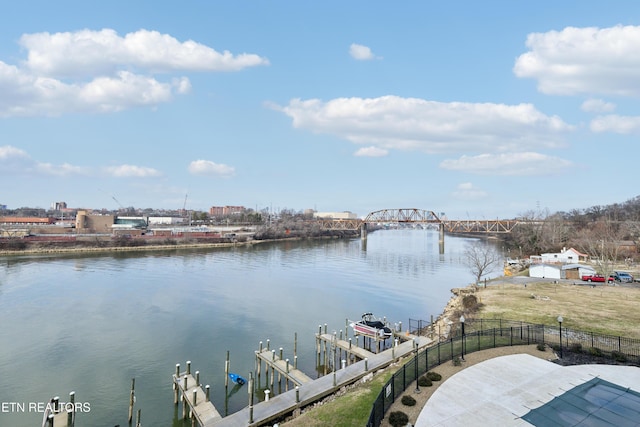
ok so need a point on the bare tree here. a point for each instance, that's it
(480, 258)
(601, 241)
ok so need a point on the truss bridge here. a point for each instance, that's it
(421, 216)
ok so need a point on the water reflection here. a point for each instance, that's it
(91, 323)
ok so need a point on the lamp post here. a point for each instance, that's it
(462, 342)
(415, 363)
(560, 319)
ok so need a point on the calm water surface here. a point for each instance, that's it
(90, 324)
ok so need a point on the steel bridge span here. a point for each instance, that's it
(421, 216)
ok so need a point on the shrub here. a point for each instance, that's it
(575, 347)
(470, 303)
(434, 376)
(456, 361)
(408, 400)
(618, 356)
(541, 347)
(555, 347)
(398, 419)
(595, 351)
(423, 381)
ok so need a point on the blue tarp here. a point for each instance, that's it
(594, 403)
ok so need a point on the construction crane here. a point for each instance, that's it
(119, 204)
(184, 210)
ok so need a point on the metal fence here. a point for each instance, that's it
(482, 334)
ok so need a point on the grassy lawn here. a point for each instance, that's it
(351, 409)
(603, 309)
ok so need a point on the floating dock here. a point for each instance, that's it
(312, 391)
(195, 401)
(57, 415)
(282, 367)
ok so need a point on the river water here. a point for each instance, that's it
(91, 323)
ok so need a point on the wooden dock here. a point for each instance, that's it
(195, 401)
(346, 346)
(311, 391)
(60, 415)
(282, 367)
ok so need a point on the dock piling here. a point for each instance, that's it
(175, 386)
(132, 399)
(226, 372)
(250, 391)
(71, 417)
(184, 398)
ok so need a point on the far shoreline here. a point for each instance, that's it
(154, 248)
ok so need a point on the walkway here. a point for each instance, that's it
(315, 390)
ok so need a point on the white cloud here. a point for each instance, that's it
(207, 167)
(100, 72)
(597, 106)
(64, 169)
(8, 152)
(616, 124)
(392, 122)
(26, 95)
(371, 152)
(510, 164)
(584, 60)
(466, 191)
(15, 161)
(87, 53)
(126, 171)
(361, 52)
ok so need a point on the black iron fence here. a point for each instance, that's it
(482, 334)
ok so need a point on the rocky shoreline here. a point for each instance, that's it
(445, 323)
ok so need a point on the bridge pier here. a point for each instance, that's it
(441, 238)
(363, 231)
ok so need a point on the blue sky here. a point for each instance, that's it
(485, 109)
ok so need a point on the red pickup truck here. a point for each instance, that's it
(595, 278)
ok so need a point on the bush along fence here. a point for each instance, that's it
(482, 334)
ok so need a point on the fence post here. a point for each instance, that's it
(426, 360)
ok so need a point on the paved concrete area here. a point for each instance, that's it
(499, 391)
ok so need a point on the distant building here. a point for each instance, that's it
(566, 256)
(58, 206)
(562, 265)
(226, 210)
(88, 223)
(26, 220)
(335, 215)
(166, 220)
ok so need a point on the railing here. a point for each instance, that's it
(482, 334)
